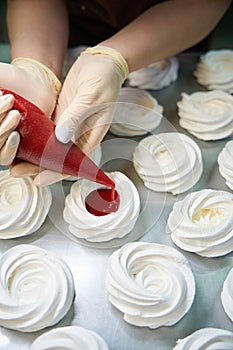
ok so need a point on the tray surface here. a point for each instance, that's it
(91, 308)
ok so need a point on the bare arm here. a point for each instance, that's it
(38, 29)
(167, 29)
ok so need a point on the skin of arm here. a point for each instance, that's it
(38, 29)
(166, 29)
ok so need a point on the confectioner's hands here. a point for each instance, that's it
(85, 105)
(39, 85)
(9, 139)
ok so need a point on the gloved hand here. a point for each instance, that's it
(86, 103)
(36, 83)
(85, 109)
(9, 139)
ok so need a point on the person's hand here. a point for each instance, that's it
(9, 139)
(35, 82)
(85, 105)
(86, 102)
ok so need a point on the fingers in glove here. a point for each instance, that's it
(68, 122)
(6, 103)
(48, 177)
(20, 169)
(92, 138)
(8, 124)
(94, 128)
(77, 121)
(9, 150)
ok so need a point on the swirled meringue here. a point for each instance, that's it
(168, 162)
(137, 113)
(202, 223)
(36, 288)
(215, 70)
(69, 338)
(227, 295)
(206, 339)
(23, 206)
(207, 115)
(84, 225)
(151, 284)
(156, 76)
(225, 163)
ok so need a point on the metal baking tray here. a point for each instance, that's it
(91, 308)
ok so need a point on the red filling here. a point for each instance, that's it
(102, 201)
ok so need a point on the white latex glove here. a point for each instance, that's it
(9, 139)
(85, 109)
(85, 106)
(38, 84)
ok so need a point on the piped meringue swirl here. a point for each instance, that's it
(207, 115)
(151, 284)
(215, 70)
(69, 338)
(136, 113)
(225, 163)
(84, 225)
(168, 162)
(36, 289)
(227, 295)
(156, 76)
(23, 206)
(202, 223)
(206, 339)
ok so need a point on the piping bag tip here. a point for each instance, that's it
(39, 145)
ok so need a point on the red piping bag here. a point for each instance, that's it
(39, 145)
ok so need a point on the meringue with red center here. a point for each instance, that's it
(36, 288)
(206, 339)
(136, 113)
(151, 284)
(227, 295)
(69, 338)
(215, 70)
(202, 223)
(91, 228)
(168, 162)
(23, 205)
(207, 115)
(225, 163)
(155, 76)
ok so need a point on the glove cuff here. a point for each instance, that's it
(56, 82)
(105, 50)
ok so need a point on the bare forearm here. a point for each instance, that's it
(167, 29)
(38, 29)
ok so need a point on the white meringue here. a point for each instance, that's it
(215, 70)
(168, 162)
(151, 284)
(85, 225)
(225, 163)
(202, 223)
(36, 289)
(207, 115)
(23, 205)
(136, 113)
(227, 295)
(156, 76)
(69, 338)
(206, 339)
